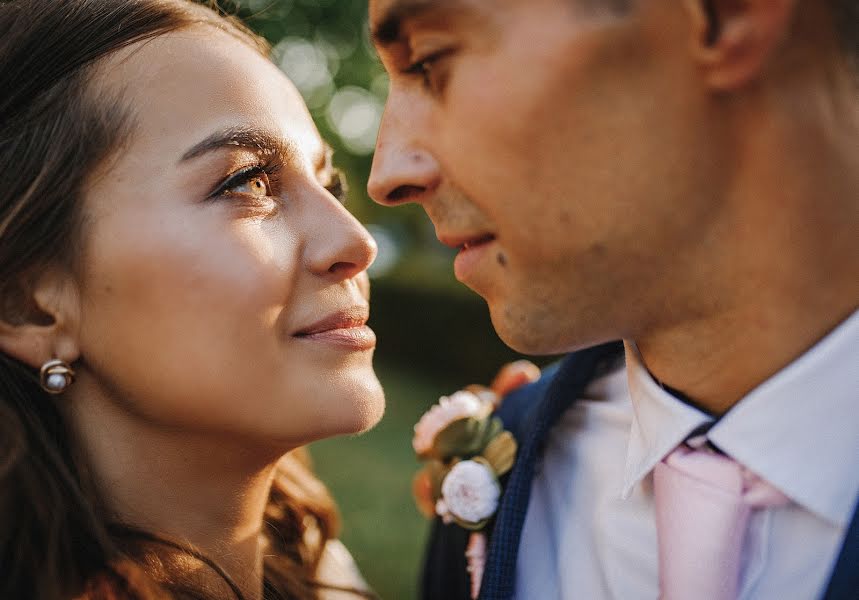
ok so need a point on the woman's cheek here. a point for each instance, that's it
(195, 316)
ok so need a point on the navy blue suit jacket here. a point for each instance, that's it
(529, 413)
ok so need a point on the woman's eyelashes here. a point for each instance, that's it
(263, 181)
(336, 186)
(260, 180)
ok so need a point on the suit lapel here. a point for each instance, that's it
(569, 383)
(844, 583)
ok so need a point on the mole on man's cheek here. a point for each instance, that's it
(502, 260)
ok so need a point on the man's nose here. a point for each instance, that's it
(403, 170)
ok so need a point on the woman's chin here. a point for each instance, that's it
(368, 406)
(345, 405)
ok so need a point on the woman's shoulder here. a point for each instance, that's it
(338, 569)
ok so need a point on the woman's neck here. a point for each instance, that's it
(207, 493)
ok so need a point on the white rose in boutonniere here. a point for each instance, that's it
(471, 491)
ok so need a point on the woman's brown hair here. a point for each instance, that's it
(56, 541)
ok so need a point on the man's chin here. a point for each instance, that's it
(524, 333)
(534, 331)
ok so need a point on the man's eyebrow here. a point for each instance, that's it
(390, 25)
(251, 138)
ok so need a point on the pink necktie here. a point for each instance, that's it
(703, 503)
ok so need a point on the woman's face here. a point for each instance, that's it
(221, 289)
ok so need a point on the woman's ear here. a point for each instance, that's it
(39, 320)
(734, 40)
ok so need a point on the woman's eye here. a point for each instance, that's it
(252, 182)
(254, 186)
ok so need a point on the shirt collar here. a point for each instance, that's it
(798, 430)
(659, 421)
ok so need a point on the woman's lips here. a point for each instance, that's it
(346, 328)
(356, 338)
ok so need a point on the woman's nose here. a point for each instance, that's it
(340, 247)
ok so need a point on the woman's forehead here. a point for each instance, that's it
(184, 85)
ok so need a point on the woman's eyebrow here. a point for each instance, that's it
(256, 139)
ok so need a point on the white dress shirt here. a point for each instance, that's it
(590, 530)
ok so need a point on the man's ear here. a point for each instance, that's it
(39, 320)
(734, 40)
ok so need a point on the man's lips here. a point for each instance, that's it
(472, 258)
(465, 242)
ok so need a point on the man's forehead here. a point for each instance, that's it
(387, 17)
(380, 10)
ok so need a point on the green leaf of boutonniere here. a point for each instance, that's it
(466, 437)
(471, 526)
(500, 453)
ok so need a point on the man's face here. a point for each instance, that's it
(564, 150)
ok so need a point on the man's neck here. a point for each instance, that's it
(714, 368)
(784, 273)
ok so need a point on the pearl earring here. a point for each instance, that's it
(56, 375)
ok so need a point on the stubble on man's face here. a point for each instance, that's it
(572, 151)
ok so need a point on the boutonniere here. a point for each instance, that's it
(465, 450)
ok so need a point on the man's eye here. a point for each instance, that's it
(428, 70)
(422, 69)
